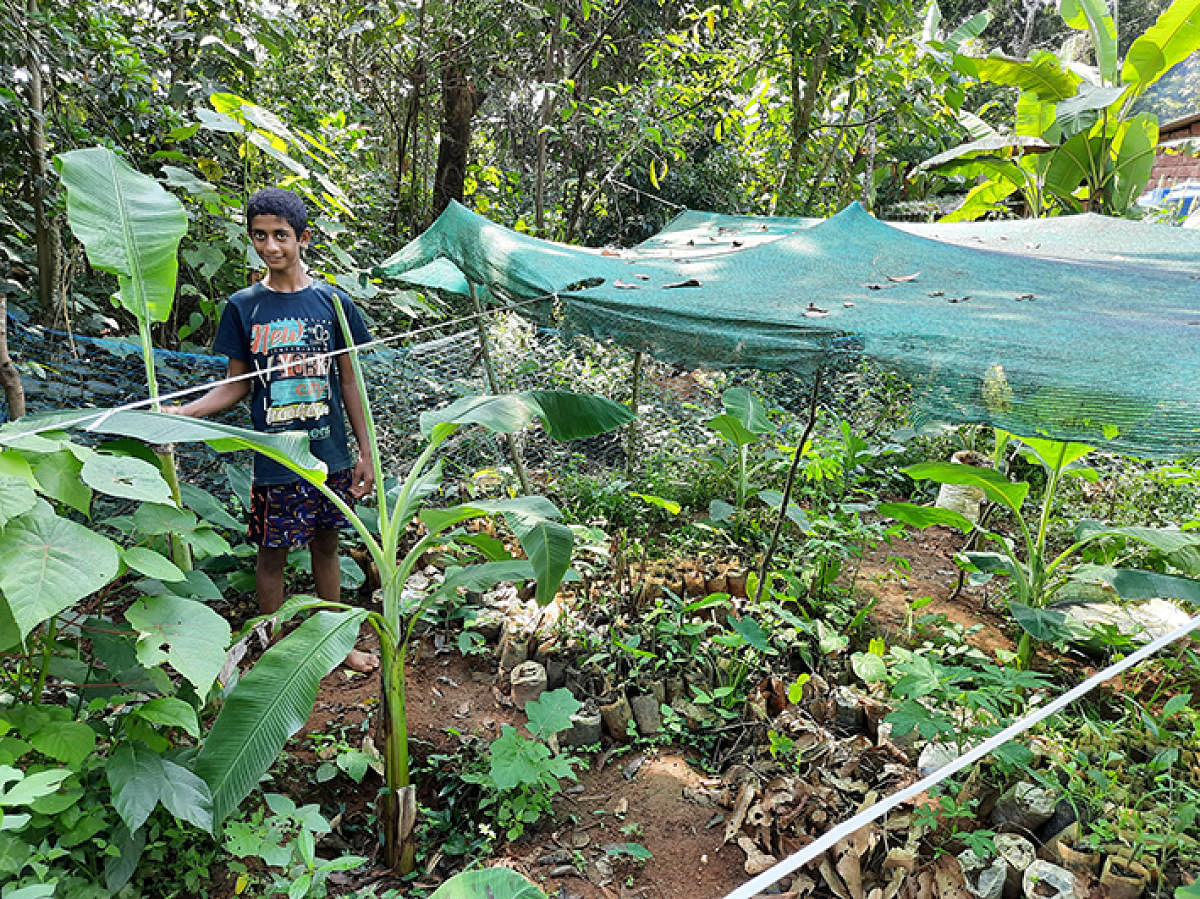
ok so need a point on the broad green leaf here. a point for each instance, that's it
(998, 488)
(1176, 704)
(289, 448)
(719, 510)
(1170, 40)
(551, 712)
(968, 30)
(1093, 17)
(68, 742)
(1042, 74)
(747, 409)
(134, 775)
(926, 516)
(1070, 165)
(130, 225)
(485, 575)
(126, 477)
(1133, 584)
(150, 563)
(994, 562)
(120, 868)
(170, 711)
(1042, 624)
(751, 632)
(218, 121)
(10, 634)
(526, 508)
(208, 507)
(564, 415)
(194, 636)
(140, 778)
(490, 883)
(33, 890)
(30, 787)
(153, 519)
(59, 477)
(50, 563)
(548, 545)
(1165, 540)
(732, 430)
(207, 543)
(271, 703)
(868, 666)
(1079, 113)
(981, 199)
(516, 760)
(910, 715)
(1036, 117)
(993, 145)
(14, 465)
(546, 542)
(1135, 146)
(16, 498)
(920, 677)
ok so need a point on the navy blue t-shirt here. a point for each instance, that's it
(266, 328)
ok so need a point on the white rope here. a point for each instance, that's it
(832, 838)
(96, 420)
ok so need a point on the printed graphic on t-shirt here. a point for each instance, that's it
(299, 391)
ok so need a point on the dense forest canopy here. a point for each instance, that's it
(581, 121)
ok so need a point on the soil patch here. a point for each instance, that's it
(922, 565)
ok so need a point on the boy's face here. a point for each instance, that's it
(276, 242)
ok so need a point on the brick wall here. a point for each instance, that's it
(1176, 167)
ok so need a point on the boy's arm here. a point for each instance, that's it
(363, 478)
(220, 397)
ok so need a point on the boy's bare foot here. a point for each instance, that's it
(363, 662)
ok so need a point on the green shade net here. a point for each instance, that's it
(1093, 351)
(1078, 238)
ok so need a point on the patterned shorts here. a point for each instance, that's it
(289, 514)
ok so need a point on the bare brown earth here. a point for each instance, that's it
(622, 795)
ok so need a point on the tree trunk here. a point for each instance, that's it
(547, 112)
(803, 103)
(47, 257)
(1021, 51)
(458, 107)
(10, 379)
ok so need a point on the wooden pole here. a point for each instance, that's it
(632, 435)
(493, 385)
(787, 489)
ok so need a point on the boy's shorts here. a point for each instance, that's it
(290, 514)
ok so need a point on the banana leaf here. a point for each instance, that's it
(270, 704)
(564, 415)
(129, 224)
(1093, 17)
(490, 883)
(1170, 40)
(289, 448)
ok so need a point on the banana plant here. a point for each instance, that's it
(1076, 143)
(741, 425)
(274, 699)
(1036, 575)
(131, 227)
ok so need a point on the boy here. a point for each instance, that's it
(286, 319)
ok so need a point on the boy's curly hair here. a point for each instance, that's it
(278, 202)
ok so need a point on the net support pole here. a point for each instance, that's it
(787, 488)
(485, 348)
(632, 434)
